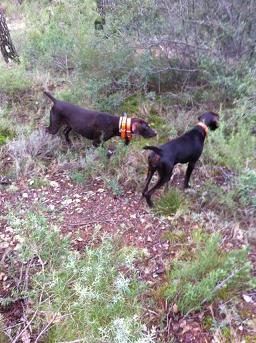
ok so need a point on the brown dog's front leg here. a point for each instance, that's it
(127, 141)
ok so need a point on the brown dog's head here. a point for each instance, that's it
(140, 127)
(210, 119)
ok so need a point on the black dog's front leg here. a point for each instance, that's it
(66, 134)
(55, 123)
(190, 168)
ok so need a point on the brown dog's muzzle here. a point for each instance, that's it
(140, 127)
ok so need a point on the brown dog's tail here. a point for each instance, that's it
(50, 96)
(157, 150)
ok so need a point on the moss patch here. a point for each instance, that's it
(5, 134)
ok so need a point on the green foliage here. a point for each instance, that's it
(13, 81)
(114, 186)
(169, 203)
(234, 149)
(94, 297)
(239, 194)
(57, 34)
(176, 236)
(247, 188)
(5, 134)
(207, 272)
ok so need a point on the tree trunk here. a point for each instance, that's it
(7, 48)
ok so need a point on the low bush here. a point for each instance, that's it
(234, 149)
(247, 188)
(14, 80)
(90, 297)
(169, 203)
(29, 153)
(123, 167)
(208, 271)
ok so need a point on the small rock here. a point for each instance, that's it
(51, 207)
(67, 202)
(247, 299)
(54, 184)
(12, 188)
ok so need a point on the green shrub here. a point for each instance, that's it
(169, 203)
(234, 149)
(5, 134)
(93, 296)
(208, 271)
(247, 188)
(14, 80)
(58, 34)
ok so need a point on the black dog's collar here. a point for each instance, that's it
(203, 126)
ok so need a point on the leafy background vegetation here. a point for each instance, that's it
(164, 61)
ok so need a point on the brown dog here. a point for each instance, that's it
(96, 126)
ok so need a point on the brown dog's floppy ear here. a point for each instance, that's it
(135, 127)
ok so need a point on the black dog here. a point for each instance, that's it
(97, 126)
(186, 148)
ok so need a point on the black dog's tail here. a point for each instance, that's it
(154, 148)
(50, 96)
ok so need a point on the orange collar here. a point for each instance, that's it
(125, 128)
(203, 126)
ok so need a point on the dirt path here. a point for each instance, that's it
(86, 208)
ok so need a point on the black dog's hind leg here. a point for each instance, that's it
(165, 174)
(66, 134)
(150, 174)
(189, 170)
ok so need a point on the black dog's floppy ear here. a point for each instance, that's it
(200, 118)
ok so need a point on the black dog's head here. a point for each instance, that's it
(140, 127)
(210, 119)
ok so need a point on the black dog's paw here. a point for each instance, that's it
(190, 190)
(149, 201)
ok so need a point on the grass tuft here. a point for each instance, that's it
(169, 203)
